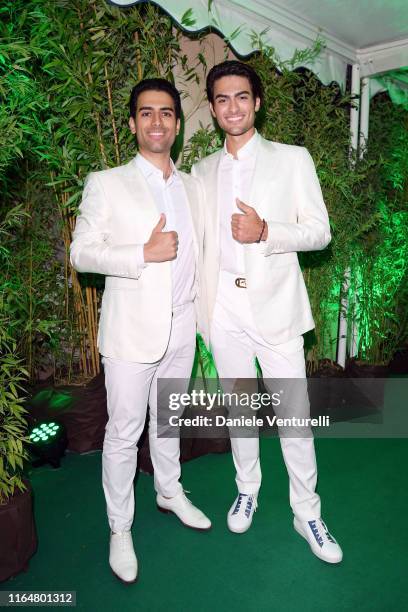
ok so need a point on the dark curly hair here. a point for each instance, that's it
(234, 68)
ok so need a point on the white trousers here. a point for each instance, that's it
(235, 342)
(130, 387)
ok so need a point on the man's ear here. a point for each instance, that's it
(132, 125)
(178, 124)
(212, 110)
(257, 104)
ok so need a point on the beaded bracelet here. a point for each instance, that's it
(263, 228)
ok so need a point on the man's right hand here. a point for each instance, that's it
(161, 246)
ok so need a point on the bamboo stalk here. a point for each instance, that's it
(30, 279)
(99, 131)
(93, 329)
(90, 327)
(80, 323)
(95, 112)
(79, 306)
(95, 303)
(152, 45)
(115, 132)
(138, 57)
(87, 341)
(30, 332)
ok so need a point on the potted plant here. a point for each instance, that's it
(17, 531)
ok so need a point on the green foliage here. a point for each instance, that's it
(187, 19)
(205, 141)
(68, 106)
(13, 376)
(204, 366)
(33, 282)
(380, 265)
(20, 100)
(95, 54)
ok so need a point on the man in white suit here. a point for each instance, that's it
(263, 204)
(141, 225)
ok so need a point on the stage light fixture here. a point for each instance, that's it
(48, 443)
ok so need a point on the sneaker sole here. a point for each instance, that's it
(315, 552)
(166, 511)
(125, 581)
(238, 530)
(242, 530)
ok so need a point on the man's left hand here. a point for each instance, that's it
(247, 228)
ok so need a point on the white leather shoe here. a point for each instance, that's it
(320, 540)
(182, 507)
(122, 558)
(241, 513)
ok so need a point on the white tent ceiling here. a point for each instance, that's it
(359, 23)
(371, 33)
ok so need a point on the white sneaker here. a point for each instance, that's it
(122, 558)
(240, 515)
(182, 507)
(321, 541)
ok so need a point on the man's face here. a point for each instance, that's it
(155, 124)
(234, 106)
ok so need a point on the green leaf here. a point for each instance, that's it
(187, 19)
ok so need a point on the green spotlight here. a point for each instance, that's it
(48, 443)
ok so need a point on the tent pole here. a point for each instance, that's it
(354, 110)
(364, 115)
(344, 304)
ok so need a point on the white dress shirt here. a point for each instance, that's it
(234, 181)
(170, 198)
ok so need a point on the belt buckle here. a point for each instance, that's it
(240, 282)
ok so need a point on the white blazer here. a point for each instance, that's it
(117, 213)
(285, 191)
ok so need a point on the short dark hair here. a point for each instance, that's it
(154, 85)
(234, 68)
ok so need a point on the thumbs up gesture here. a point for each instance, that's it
(161, 246)
(247, 227)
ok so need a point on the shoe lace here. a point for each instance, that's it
(327, 532)
(251, 502)
(319, 536)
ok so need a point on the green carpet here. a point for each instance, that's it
(363, 485)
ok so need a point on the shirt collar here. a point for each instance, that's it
(148, 169)
(247, 150)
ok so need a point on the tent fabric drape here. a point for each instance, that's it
(238, 21)
(396, 83)
(241, 21)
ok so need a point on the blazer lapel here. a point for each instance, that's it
(211, 190)
(146, 202)
(193, 208)
(264, 174)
